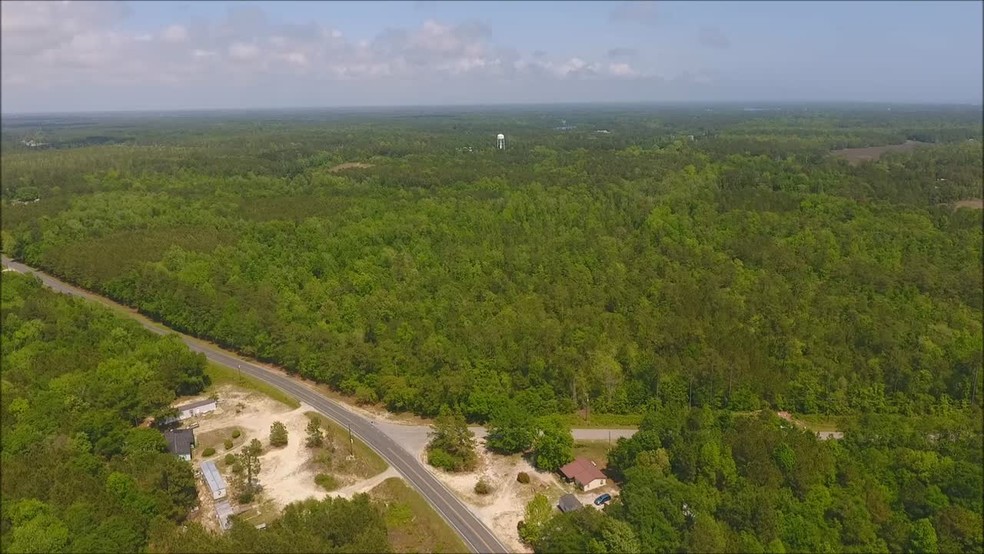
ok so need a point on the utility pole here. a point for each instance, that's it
(351, 443)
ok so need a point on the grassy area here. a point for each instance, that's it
(216, 439)
(264, 512)
(817, 423)
(604, 421)
(412, 524)
(222, 375)
(366, 463)
(596, 451)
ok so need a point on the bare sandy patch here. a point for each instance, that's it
(972, 203)
(286, 473)
(349, 165)
(855, 156)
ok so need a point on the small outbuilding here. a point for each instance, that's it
(197, 408)
(180, 442)
(214, 480)
(569, 503)
(191, 409)
(585, 474)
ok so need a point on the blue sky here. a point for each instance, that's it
(81, 56)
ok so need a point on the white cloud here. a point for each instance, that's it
(86, 45)
(174, 33)
(622, 70)
(243, 52)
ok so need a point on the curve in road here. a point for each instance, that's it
(472, 530)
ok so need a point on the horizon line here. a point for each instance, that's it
(747, 103)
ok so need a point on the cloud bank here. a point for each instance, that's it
(50, 45)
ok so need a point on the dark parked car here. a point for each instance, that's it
(602, 499)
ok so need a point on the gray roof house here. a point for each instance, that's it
(569, 503)
(179, 442)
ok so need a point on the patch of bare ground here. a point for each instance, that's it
(855, 156)
(504, 507)
(286, 473)
(349, 165)
(972, 203)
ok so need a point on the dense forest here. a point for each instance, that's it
(79, 474)
(693, 481)
(712, 256)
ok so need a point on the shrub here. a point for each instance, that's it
(208, 452)
(278, 434)
(236, 434)
(441, 459)
(324, 458)
(326, 481)
(228, 444)
(230, 459)
(483, 487)
(523, 478)
(245, 497)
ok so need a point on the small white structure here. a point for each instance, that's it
(214, 480)
(194, 409)
(500, 141)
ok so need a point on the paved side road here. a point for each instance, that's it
(476, 535)
(415, 437)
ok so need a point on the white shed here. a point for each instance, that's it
(196, 408)
(214, 480)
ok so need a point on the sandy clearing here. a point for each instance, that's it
(349, 165)
(286, 473)
(855, 156)
(972, 203)
(364, 485)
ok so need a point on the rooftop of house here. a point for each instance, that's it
(582, 471)
(195, 404)
(179, 441)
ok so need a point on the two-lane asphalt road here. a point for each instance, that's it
(475, 534)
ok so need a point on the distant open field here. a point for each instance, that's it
(854, 156)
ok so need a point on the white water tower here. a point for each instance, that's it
(500, 141)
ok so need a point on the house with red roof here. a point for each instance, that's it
(585, 474)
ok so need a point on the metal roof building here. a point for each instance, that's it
(179, 442)
(214, 479)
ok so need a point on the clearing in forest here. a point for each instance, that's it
(855, 156)
(287, 474)
(349, 165)
(972, 203)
